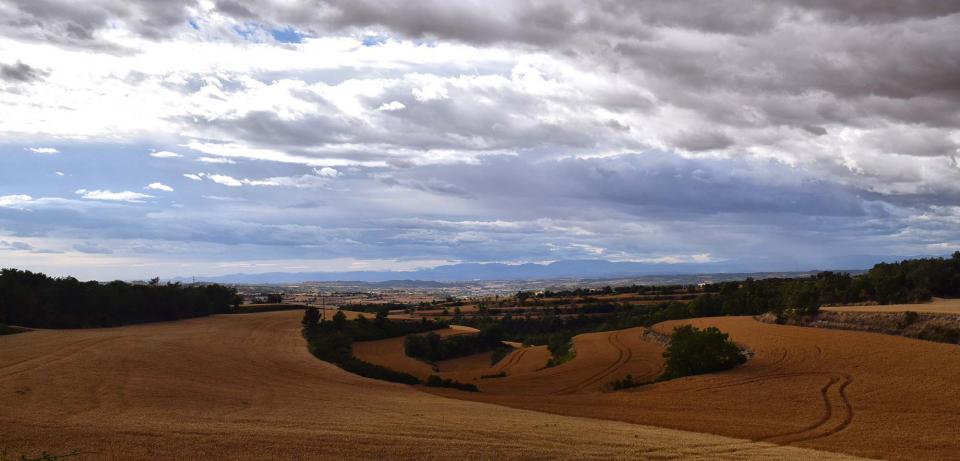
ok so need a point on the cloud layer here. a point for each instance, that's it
(783, 134)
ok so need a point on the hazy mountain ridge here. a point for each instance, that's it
(580, 269)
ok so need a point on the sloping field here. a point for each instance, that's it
(937, 306)
(244, 387)
(860, 393)
(601, 357)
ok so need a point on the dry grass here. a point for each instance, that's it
(937, 306)
(244, 387)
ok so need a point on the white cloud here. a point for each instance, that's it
(225, 180)
(216, 160)
(195, 177)
(42, 150)
(392, 106)
(328, 172)
(13, 201)
(106, 195)
(159, 186)
(165, 154)
(58, 173)
(430, 92)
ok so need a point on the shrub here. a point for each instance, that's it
(940, 334)
(311, 316)
(909, 318)
(561, 349)
(693, 351)
(436, 381)
(625, 383)
(502, 374)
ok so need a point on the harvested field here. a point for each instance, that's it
(244, 387)
(937, 306)
(853, 392)
(390, 353)
(605, 356)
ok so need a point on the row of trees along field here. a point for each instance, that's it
(332, 341)
(35, 300)
(914, 280)
(908, 281)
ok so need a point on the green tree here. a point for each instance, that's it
(339, 321)
(693, 351)
(311, 316)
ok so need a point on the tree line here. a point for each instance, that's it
(431, 347)
(35, 300)
(904, 282)
(332, 341)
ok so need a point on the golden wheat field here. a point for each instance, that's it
(244, 387)
(859, 393)
(936, 306)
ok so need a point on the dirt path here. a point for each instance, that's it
(244, 387)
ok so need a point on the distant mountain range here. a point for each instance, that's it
(577, 269)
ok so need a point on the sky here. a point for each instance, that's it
(195, 137)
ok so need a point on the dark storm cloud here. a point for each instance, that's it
(468, 117)
(77, 23)
(650, 183)
(702, 141)
(20, 72)
(856, 102)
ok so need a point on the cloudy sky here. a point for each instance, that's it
(184, 137)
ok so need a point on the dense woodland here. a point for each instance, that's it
(35, 300)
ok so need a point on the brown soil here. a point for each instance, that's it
(244, 387)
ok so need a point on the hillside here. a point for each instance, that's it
(244, 387)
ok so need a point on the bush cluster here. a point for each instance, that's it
(561, 350)
(693, 351)
(626, 383)
(940, 334)
(436, 381)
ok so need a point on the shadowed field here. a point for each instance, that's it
(245, 387)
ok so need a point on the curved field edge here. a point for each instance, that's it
(865, 394)
(245, 388)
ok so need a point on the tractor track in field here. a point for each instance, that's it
(624, 354)
(513, 360)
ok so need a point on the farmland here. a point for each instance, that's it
(248, 384)
(859, 393)
(244, 387)
(936, 306)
